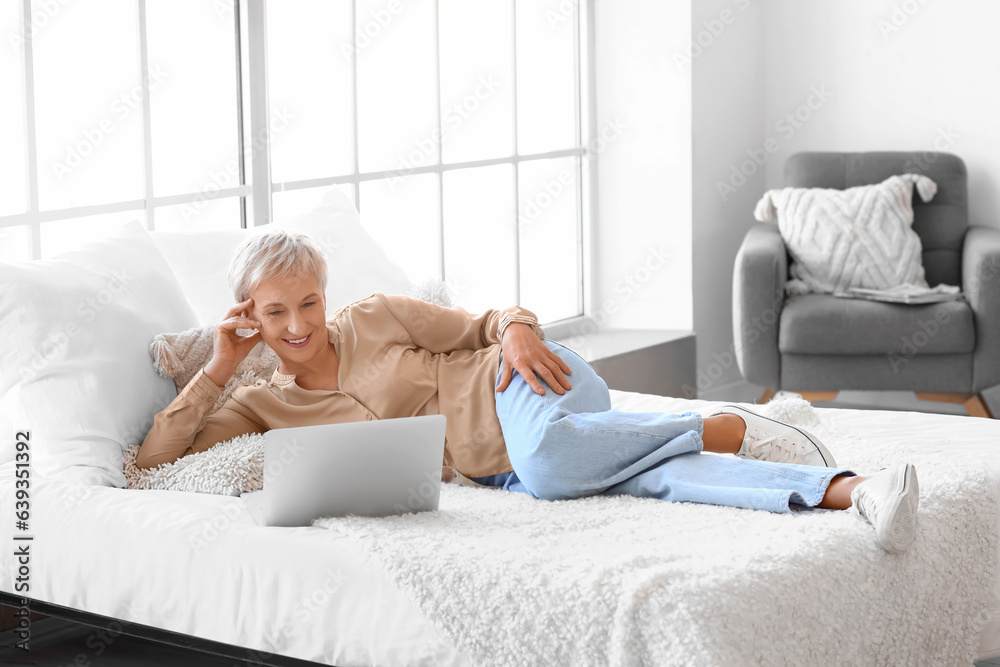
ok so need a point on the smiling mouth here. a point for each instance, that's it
(298, 342)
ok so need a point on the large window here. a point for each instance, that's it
(111, 117)
(456, 127)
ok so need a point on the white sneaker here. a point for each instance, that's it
(769, 440)
(889, 499)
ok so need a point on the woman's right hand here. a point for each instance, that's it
(230, 348)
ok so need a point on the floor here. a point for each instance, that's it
(58, 643)
(859, 400)
(890, 400)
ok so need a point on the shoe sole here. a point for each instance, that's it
(823, 451)
(900, 525)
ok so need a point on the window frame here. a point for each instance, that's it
(145, 207)
(252, 98)
(585, 113)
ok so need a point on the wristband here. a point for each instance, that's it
(508, 319)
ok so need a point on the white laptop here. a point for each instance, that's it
(369, 468)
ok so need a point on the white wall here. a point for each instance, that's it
(905, 75)
(642, 251)
(728, 121)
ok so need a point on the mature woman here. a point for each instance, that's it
(393, 356)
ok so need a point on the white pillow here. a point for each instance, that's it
(76, 330)
(231, 467)
(358, 266)
(858, 237)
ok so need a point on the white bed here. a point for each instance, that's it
(151, 557)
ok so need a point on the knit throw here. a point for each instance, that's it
(622, 581)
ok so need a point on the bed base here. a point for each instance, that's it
(241, 655)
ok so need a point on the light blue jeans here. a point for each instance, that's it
(574, 445)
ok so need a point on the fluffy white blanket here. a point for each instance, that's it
(627, 581)
(228, 468)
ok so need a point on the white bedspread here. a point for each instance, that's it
(626, 581)
(129, 554)
(959, 438)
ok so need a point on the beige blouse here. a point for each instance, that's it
(398, 357)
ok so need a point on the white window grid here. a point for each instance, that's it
(254, 101)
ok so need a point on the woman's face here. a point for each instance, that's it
(292, 313)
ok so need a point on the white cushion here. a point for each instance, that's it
(231, 467)
(358, 266)
(858, 237)
(76, 331)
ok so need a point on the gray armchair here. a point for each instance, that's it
(818, 344)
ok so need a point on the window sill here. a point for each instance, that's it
(649, 361)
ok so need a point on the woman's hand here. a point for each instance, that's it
(525, 353)
(230, 348)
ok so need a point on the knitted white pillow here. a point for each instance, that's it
(228, 468)
(858, 237)
(180, 356)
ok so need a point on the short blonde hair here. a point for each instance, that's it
(271, 254)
